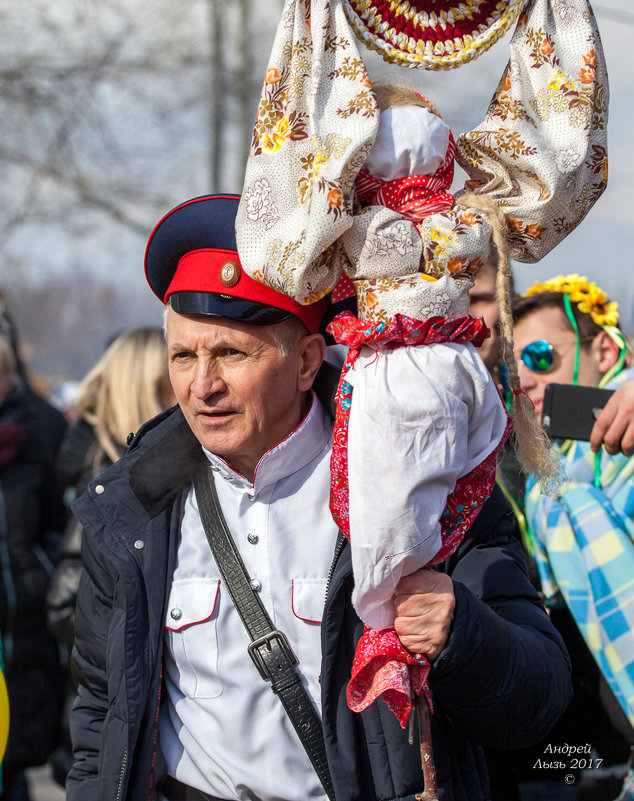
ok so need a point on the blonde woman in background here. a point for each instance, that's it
(126, 387)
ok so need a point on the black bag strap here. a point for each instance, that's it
(269, 648)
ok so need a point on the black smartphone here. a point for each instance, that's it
(569, 412)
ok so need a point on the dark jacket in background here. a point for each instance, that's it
(32, 518)
(501, 680)
(80, 459)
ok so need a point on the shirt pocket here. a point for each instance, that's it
(191, 625)
(307, 598)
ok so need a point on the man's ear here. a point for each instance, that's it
(605, 350)
(312, 350)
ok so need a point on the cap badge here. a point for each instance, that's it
(230, 273)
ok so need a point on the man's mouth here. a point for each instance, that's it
(215, 413)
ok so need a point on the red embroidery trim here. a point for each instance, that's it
(381, 665)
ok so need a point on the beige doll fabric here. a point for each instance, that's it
(540, 155)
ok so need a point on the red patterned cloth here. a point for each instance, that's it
(344, 288)
(381, 665)
(414, 196)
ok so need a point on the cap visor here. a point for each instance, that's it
(211, 304)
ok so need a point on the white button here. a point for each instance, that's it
(253, 539)
(215, 468)
(176, 613)
(100, 489)
(256, 584)
(139, 545)
(253, 496)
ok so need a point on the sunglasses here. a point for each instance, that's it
(538, 356)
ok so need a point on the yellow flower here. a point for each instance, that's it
(283, 128)
(604, 169)
(273, 140)
(590, 298)
(313, 297)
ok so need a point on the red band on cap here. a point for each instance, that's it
(202, 271)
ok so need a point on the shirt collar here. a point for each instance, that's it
(290, 455)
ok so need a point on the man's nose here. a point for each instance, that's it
(207, 381)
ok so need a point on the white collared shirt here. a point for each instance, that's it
(222, 729)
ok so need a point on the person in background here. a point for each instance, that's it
(566, 332)
(483, 303)
(127, 386)
(512, 774)
(32, 518)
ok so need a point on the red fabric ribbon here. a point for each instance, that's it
(414, 196)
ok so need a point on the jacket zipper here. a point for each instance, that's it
(341, 544)
(124, 764)
(155, 730)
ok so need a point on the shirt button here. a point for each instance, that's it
(253, 496)
(139, 545)
(176, 613)
(256, 584)
(100, 489)
(253, 539)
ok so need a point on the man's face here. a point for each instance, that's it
(238, 393)
(550, 324)
(482, 303)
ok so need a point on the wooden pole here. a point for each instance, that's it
(426, 754)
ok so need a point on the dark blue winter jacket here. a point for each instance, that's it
(501, 681)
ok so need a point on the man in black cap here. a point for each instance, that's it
(215, 574)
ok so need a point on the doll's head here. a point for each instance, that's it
(412, 138)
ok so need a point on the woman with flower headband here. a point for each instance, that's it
(582, 538)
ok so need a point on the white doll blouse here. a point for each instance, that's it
(422, 416)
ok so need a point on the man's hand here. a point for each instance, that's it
(614, 427)
(424, 603)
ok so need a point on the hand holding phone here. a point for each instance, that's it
(614, 429)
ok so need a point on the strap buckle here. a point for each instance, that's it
(266, 640)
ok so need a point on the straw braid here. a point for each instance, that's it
(533, 447)
(381, 29)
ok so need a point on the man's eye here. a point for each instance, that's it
(233, 352)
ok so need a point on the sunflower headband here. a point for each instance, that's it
(589, 298)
